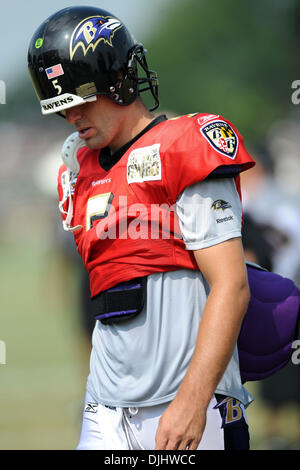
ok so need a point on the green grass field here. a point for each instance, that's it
(42, 384)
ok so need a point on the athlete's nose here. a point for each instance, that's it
(73, 114)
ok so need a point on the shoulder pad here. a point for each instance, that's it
(69, 152)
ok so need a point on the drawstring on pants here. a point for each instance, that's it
(126, 412)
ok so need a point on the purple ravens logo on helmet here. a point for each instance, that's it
(90, 31)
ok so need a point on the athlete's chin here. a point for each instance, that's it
(93, 143)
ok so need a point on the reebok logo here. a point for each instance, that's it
(91, 408)
(225, 219)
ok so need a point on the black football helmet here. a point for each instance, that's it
(81, 52)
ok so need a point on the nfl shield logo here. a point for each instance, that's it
(221, 137)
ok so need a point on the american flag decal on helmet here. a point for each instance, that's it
(54, 71)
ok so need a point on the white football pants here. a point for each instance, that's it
(105, 428)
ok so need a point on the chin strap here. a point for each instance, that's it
(69, 156)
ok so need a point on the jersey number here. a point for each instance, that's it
(57, 87)
(97, 208)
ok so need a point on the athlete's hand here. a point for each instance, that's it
(181, 425)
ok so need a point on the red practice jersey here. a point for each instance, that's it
(129, 227)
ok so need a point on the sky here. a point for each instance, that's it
(19, 20)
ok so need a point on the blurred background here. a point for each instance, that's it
(231, 58)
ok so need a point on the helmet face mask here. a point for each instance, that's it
(81, 52)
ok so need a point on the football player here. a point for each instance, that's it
(154, 205)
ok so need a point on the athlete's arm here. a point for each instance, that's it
(223, 266)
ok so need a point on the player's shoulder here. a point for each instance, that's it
(195, 131)
(200, 125)
(202, 145)
(198, 121)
